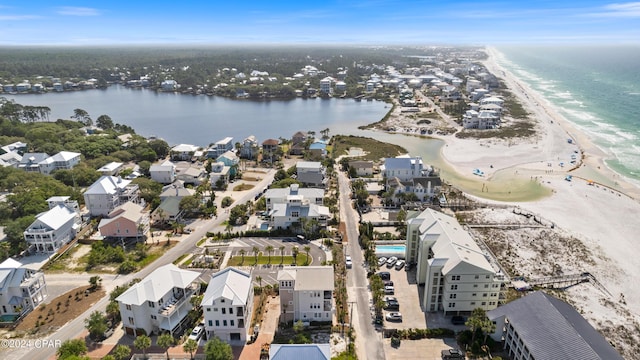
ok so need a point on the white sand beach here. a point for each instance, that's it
(597, 207)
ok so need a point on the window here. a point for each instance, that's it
(210, 322)
(486, 286)
(452, 305)
(492, 302)
(153, 317)
(222, 300)
(454, 287)
(484, 303)
(208, 309)
(452, 296)
(131, 321)
(224, 322)
(151, 304)
(434, 290)
(128, 307)
(232, 323)
(224, 310)
(295, 214)
(477, 276)
(473, 303)
(475, 285)
(230, 310)
(494, 294)
(484, 295)
(455, 277)
(488, 277)
(217, 322)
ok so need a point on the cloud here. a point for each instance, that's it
(630, 9)
(18, 17)
(78, 11)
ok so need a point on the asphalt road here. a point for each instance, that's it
(74, 328)
(368, 340)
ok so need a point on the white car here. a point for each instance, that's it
(382, 260)
(394, 316)
(197, 333)
(392, 260)
(389, 290)
(348, 263)
(399, 264)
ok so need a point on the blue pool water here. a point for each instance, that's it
(390, 249)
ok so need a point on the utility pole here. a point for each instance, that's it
(350, 321)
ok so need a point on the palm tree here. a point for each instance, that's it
(294, 253)
(228, 227)
(259, 278)
(255, 253)
(242, 252)
(122, 352)
(168, 235)
(269, 250)
(190, 346)
(307, 248)
(142, 342)
(281, 254)
(165, 341)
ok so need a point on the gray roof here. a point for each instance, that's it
(300, 351)
(553, 329)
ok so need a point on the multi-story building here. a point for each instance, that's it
(456, 274)
(539, 326)
(220, 147)
(164, 173)
(21, 289)
(250, 148)
(160, 302)
(55, 227)
(306, 293)
(108, 192)
(287, 206)
(403, 167)
(64, 160)
(183, 152)
(310, 173)
(125, 221)
(227, 305)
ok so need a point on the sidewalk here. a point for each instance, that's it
(268, 328)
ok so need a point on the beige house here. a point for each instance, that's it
(363, 168)
(125, 221)
(306, 293)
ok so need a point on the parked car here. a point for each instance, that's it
(392, 305)
(197, 333)
(389, 290)
(394, 316)
(391, 261)
(399, 264)
(452, 354)
(348, 263)
(384, 275)
(409, 266)
(458, 320)
(388, 283)
(382, 260)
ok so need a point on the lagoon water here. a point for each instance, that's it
(202, 120)
(597, 88)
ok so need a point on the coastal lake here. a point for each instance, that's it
(202, 120)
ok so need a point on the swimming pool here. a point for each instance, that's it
(393, 250)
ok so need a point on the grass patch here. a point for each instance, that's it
(375, 149)
(521, 129)
(179, 259)
(243, 187)
(201, 241)
(250, 260)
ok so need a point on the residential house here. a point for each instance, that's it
(64, 160)
(125, 221)
(160, 302)
(21, 290)
(176, 189)
(300, 351)
(311, 173)
(318, 149)
(9, 88)
(194, 175)
(111, 169)
(306, 293)
(220, 147)
(362, 167)
(17, 146)
(168, 211)
(456, 274)
(183, 152)
(228, 305)
(542, 327)
(12, 159)
(403, 167)
(31, 161)
(169, 85)
(164, 173)
(341, 86)
(484, 119)
(53, 228)
(325, 85)
(219, 171)
(299, 137)
(231, 160)
(425, 187)
(286, 207)
(107, 193)
(249, 149)
(270, 149)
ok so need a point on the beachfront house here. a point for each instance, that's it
(311, 173)
(169, 85)
(456, 274)
(220, 147)
(403, 167)
(164, 173)
(21, 290)
(424, 188)
(306, 293)
(325, 85)
(228, 305)
(540, 326)
(55, 227)
(483, 119)
(125, 221)
(159, 303)
(183, 152)
(362, 167)
(250, 148)
(108, 192)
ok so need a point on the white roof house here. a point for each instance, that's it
(52, 229)
(108, 192)
(61, 160)
(164, 173)
(403, 167)
(21, 289)
(306, 293)
(227, 305)
(159, 302)
(111, 168)
(446, 254)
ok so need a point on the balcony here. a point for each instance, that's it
(169, 307)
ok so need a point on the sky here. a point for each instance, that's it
(481, 22)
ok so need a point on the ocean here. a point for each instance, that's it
(597, 88)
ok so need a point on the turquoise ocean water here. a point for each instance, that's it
(595, 88)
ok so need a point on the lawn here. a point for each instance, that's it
(250, 260)
(375, 149)
(243, 187)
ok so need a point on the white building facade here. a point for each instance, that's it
(306, 293)
(21, 289)
(107, 193)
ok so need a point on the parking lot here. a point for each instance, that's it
(406, 291)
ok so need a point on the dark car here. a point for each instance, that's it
(452, 354)
(458, 320)
(384, 275)
(392, 305)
